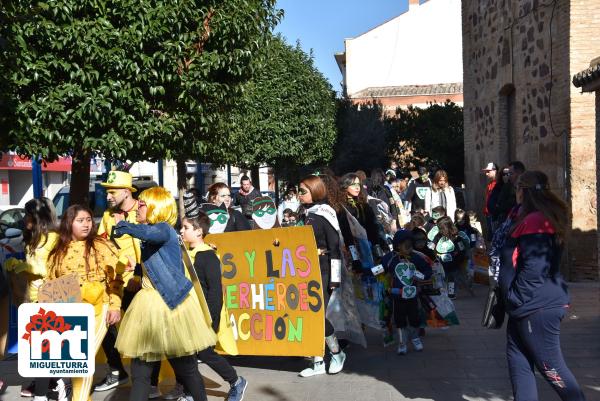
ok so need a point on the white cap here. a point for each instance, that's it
(490, 166)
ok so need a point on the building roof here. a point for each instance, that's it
(410, 90)
(587, 76)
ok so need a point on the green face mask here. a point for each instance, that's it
(424, 177)
(261, 212)
(217, 217)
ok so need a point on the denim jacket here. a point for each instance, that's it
(161, 256)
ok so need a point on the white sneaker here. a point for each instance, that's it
(175, 393)
(337, 363)
(154, 392)
(402, 349)
(417, 344)
(61, 390)
(318, 368)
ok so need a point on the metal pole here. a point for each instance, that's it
(36, 171)
(199, 178)
(229, 175)
(161, 173)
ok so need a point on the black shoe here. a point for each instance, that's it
(27, 391)
(111, 381)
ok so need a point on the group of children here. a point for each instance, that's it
(415, 249)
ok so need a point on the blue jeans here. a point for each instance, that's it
(534, 341)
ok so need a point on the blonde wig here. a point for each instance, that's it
(161, 206)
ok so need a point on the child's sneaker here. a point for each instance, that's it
(417, 344)
(317, 368)
(337, 363)
(402, 349)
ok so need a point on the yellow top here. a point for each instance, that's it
(101, 263)
(126, 245)
(37, 261)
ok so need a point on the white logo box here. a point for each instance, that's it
(76, 358)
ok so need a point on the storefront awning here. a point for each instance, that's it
(16, 162)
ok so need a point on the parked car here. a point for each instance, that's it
(12, 223)
(61, 203)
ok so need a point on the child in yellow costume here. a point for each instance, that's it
(163, 321)
(208, 269)
(39, 237)
(79, 250)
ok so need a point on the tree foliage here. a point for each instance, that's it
(432, 136)
(286, 117)
(131, 79)
(362, 132)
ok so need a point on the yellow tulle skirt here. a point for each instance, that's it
(151, 331)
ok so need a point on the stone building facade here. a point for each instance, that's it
(519, 104)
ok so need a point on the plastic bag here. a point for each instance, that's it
(343, 312)
(362, 242)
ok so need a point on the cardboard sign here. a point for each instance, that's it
(63, 289)
(273, 291)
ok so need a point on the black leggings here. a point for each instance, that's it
(186, 373)
(406, 312)
(42, 384)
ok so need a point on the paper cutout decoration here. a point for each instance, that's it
(264, 213)
(218, 216)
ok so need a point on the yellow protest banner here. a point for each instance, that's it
(273, 291)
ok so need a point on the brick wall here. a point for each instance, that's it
(533, 48)
(584, 46)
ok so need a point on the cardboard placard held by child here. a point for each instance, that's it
(63, 289)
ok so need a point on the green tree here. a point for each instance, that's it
(362, 133)
(432, 136)
(286, 117)
(131, 79)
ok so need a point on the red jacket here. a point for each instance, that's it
(489, 189)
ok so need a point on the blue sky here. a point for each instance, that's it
(322, 25)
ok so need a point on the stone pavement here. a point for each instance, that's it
(463, 363)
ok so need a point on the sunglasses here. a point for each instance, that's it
(302, 191)
(354, 185)
(261, 212)
(225, 196)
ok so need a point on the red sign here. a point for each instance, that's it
(16, 162)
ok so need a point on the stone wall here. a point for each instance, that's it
(519, 103)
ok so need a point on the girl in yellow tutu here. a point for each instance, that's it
(163, 321)
(79, 250)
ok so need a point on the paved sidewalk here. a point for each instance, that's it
(463, 363)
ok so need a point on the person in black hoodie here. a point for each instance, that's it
(208, 269)
(323, 220)
(534, 293)
(355, 202)
(245, 196)
(418, 191)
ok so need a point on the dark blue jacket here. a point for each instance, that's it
(161, 256)
(391, 260)
(530, 277)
